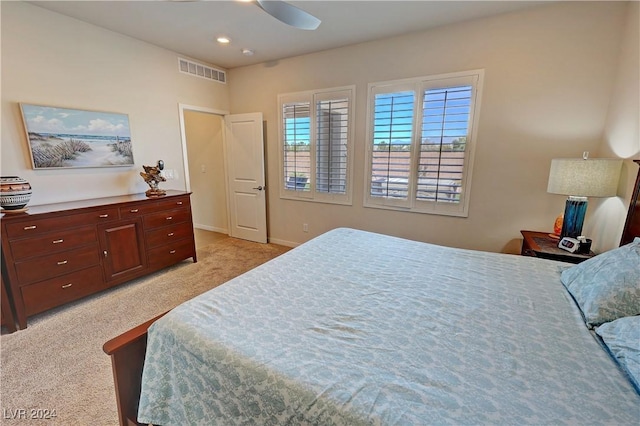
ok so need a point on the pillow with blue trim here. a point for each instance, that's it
(607, 286)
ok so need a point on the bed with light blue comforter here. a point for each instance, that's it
(356, 328)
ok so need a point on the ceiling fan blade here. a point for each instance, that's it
(289, 14)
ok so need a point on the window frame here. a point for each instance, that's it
(418, 85)
(313, 97)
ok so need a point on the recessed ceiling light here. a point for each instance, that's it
(224, 40)
(247, 52)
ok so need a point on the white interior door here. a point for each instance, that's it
(244, 154)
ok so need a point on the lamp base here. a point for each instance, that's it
(574, 212)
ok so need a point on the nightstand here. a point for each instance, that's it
(540, 244)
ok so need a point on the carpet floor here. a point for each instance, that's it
(57, 366)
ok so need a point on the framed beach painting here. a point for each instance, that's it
(72, 138)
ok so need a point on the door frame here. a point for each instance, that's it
(185, 157)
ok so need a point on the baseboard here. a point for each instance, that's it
(283, 242)
(226, 231)
(211, 228)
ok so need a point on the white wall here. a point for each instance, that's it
(54, 60)
(621, 135)
(549, 73)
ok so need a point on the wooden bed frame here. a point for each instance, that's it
(127, 351)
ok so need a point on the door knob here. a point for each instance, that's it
(260, 188)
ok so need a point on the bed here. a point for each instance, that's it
(356, 328)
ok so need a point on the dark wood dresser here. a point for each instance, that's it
(7, 319)
(58, 253)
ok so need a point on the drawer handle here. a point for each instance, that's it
(172, 252)
(104, 215)
(134, 210)
(27, 228)
(169, 217)
(179, 203)
(57, 241)
(63, 262)
(170, 234)
(67, 285)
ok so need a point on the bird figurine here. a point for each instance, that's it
(153, 176)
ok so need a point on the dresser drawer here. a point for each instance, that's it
(138, 210)
(160, 257)
(30, 228)
(151, 207)
(168, 234)
(56, 264)
(166, 218)
(53, 243)
(57, 291)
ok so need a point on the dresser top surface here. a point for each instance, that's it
(88, 203)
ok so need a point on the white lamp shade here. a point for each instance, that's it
(597, 177)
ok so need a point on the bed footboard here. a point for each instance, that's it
(127, 353)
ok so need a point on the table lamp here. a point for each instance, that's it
(580, 178)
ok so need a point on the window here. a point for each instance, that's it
(420, 143)
(316, 145)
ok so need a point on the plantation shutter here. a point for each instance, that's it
(332, 135)
(445, 125)
(316, 133)
(421, 143)
(392, 138)
(296, 161)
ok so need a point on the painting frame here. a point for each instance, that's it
(71, 138)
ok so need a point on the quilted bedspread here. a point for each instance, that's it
(357, 328)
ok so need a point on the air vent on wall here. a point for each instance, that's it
(193, 68)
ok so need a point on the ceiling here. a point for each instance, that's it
(191, 27)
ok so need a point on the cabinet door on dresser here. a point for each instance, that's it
(123, 250)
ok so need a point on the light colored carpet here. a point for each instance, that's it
(57, 362)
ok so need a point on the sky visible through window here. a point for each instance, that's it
(445, 118)
(297, 131)
(446, 114)
(393, 118)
